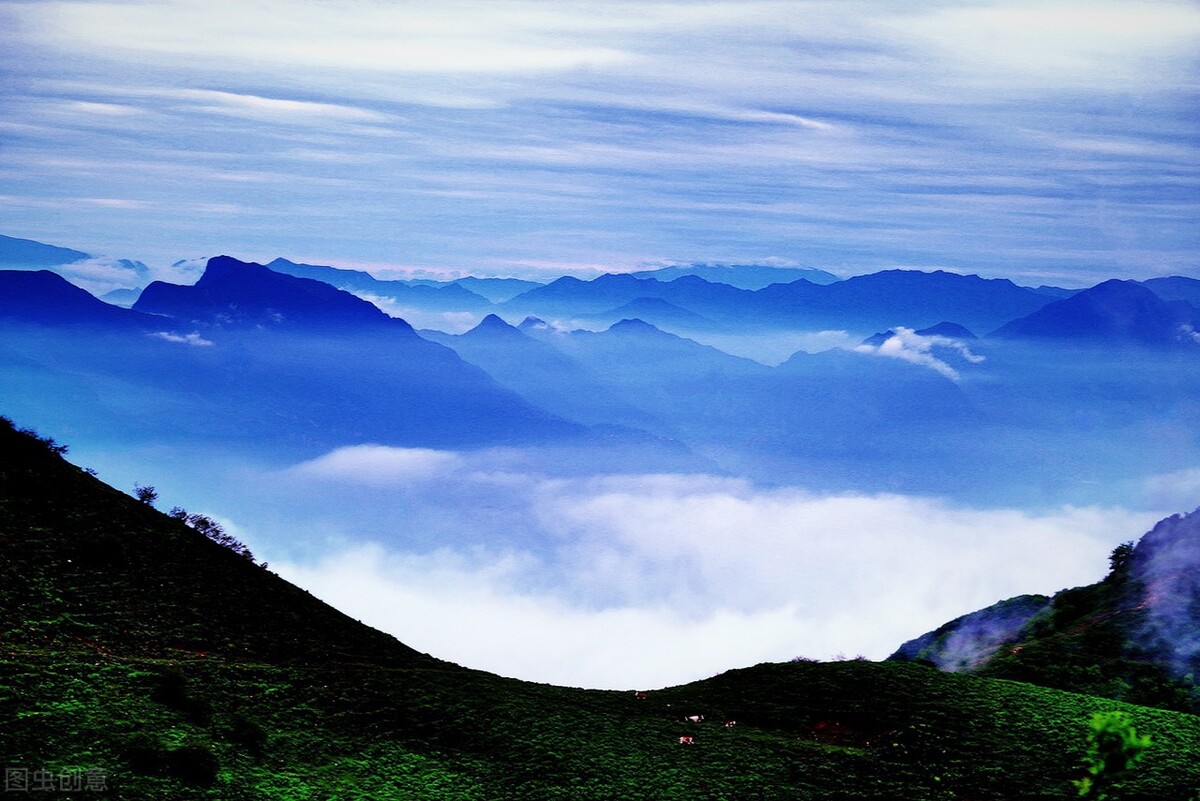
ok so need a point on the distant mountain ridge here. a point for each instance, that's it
(1113, 312)
(742, 276)
(27, 253)
(449, 296)
(906, 297)
(1175, 287)
(45, 297)
(870, 302)
(237, 293)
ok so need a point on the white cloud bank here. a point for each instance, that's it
(644, 581)
(378, 465)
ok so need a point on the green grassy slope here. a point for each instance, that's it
(132, 644)
(1091, 639)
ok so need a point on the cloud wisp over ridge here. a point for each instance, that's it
(923, 349)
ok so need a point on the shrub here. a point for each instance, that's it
(212, 529)
(144, 754)
(172, 692)
(248, 733)
(194, 764)
(1114, 746)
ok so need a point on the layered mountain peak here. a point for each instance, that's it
(634, 327)
(947, 329)
(493, 327)
(233, 293)
(1114, 312)
(531, 323)
(493, 322)
(44, 297)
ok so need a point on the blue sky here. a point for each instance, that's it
(1047, 141)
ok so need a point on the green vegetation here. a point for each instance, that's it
(1084, 642)
(1113, 748)
(133, 644)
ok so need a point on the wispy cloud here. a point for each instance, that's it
(275, 109)
(416, 37)
(194, 339)
(907, 345)
(1059, 44)
(379, 465)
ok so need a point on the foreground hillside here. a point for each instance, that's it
(1133, 636)
(131, 644)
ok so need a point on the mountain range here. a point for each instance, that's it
(688, 299)
(251, 355)
(248, 354)
(439, 297)
(742, 276)
(867, 302)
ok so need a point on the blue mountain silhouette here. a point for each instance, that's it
(432, 296)
(234, 293)
(1175, 287)
(742, 276)
(1113, 312)
(870, 302)
(46, 298)
(27, 253)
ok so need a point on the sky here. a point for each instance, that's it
(1053, 141)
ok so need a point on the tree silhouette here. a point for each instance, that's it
(147, 495)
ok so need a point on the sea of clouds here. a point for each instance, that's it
(624, 581)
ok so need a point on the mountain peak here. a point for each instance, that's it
(492, 326)
(634, 326)
(1114, 312)
(494, 322)
(237, 293)
(45, 297)
(531, 322)
(947, 329)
